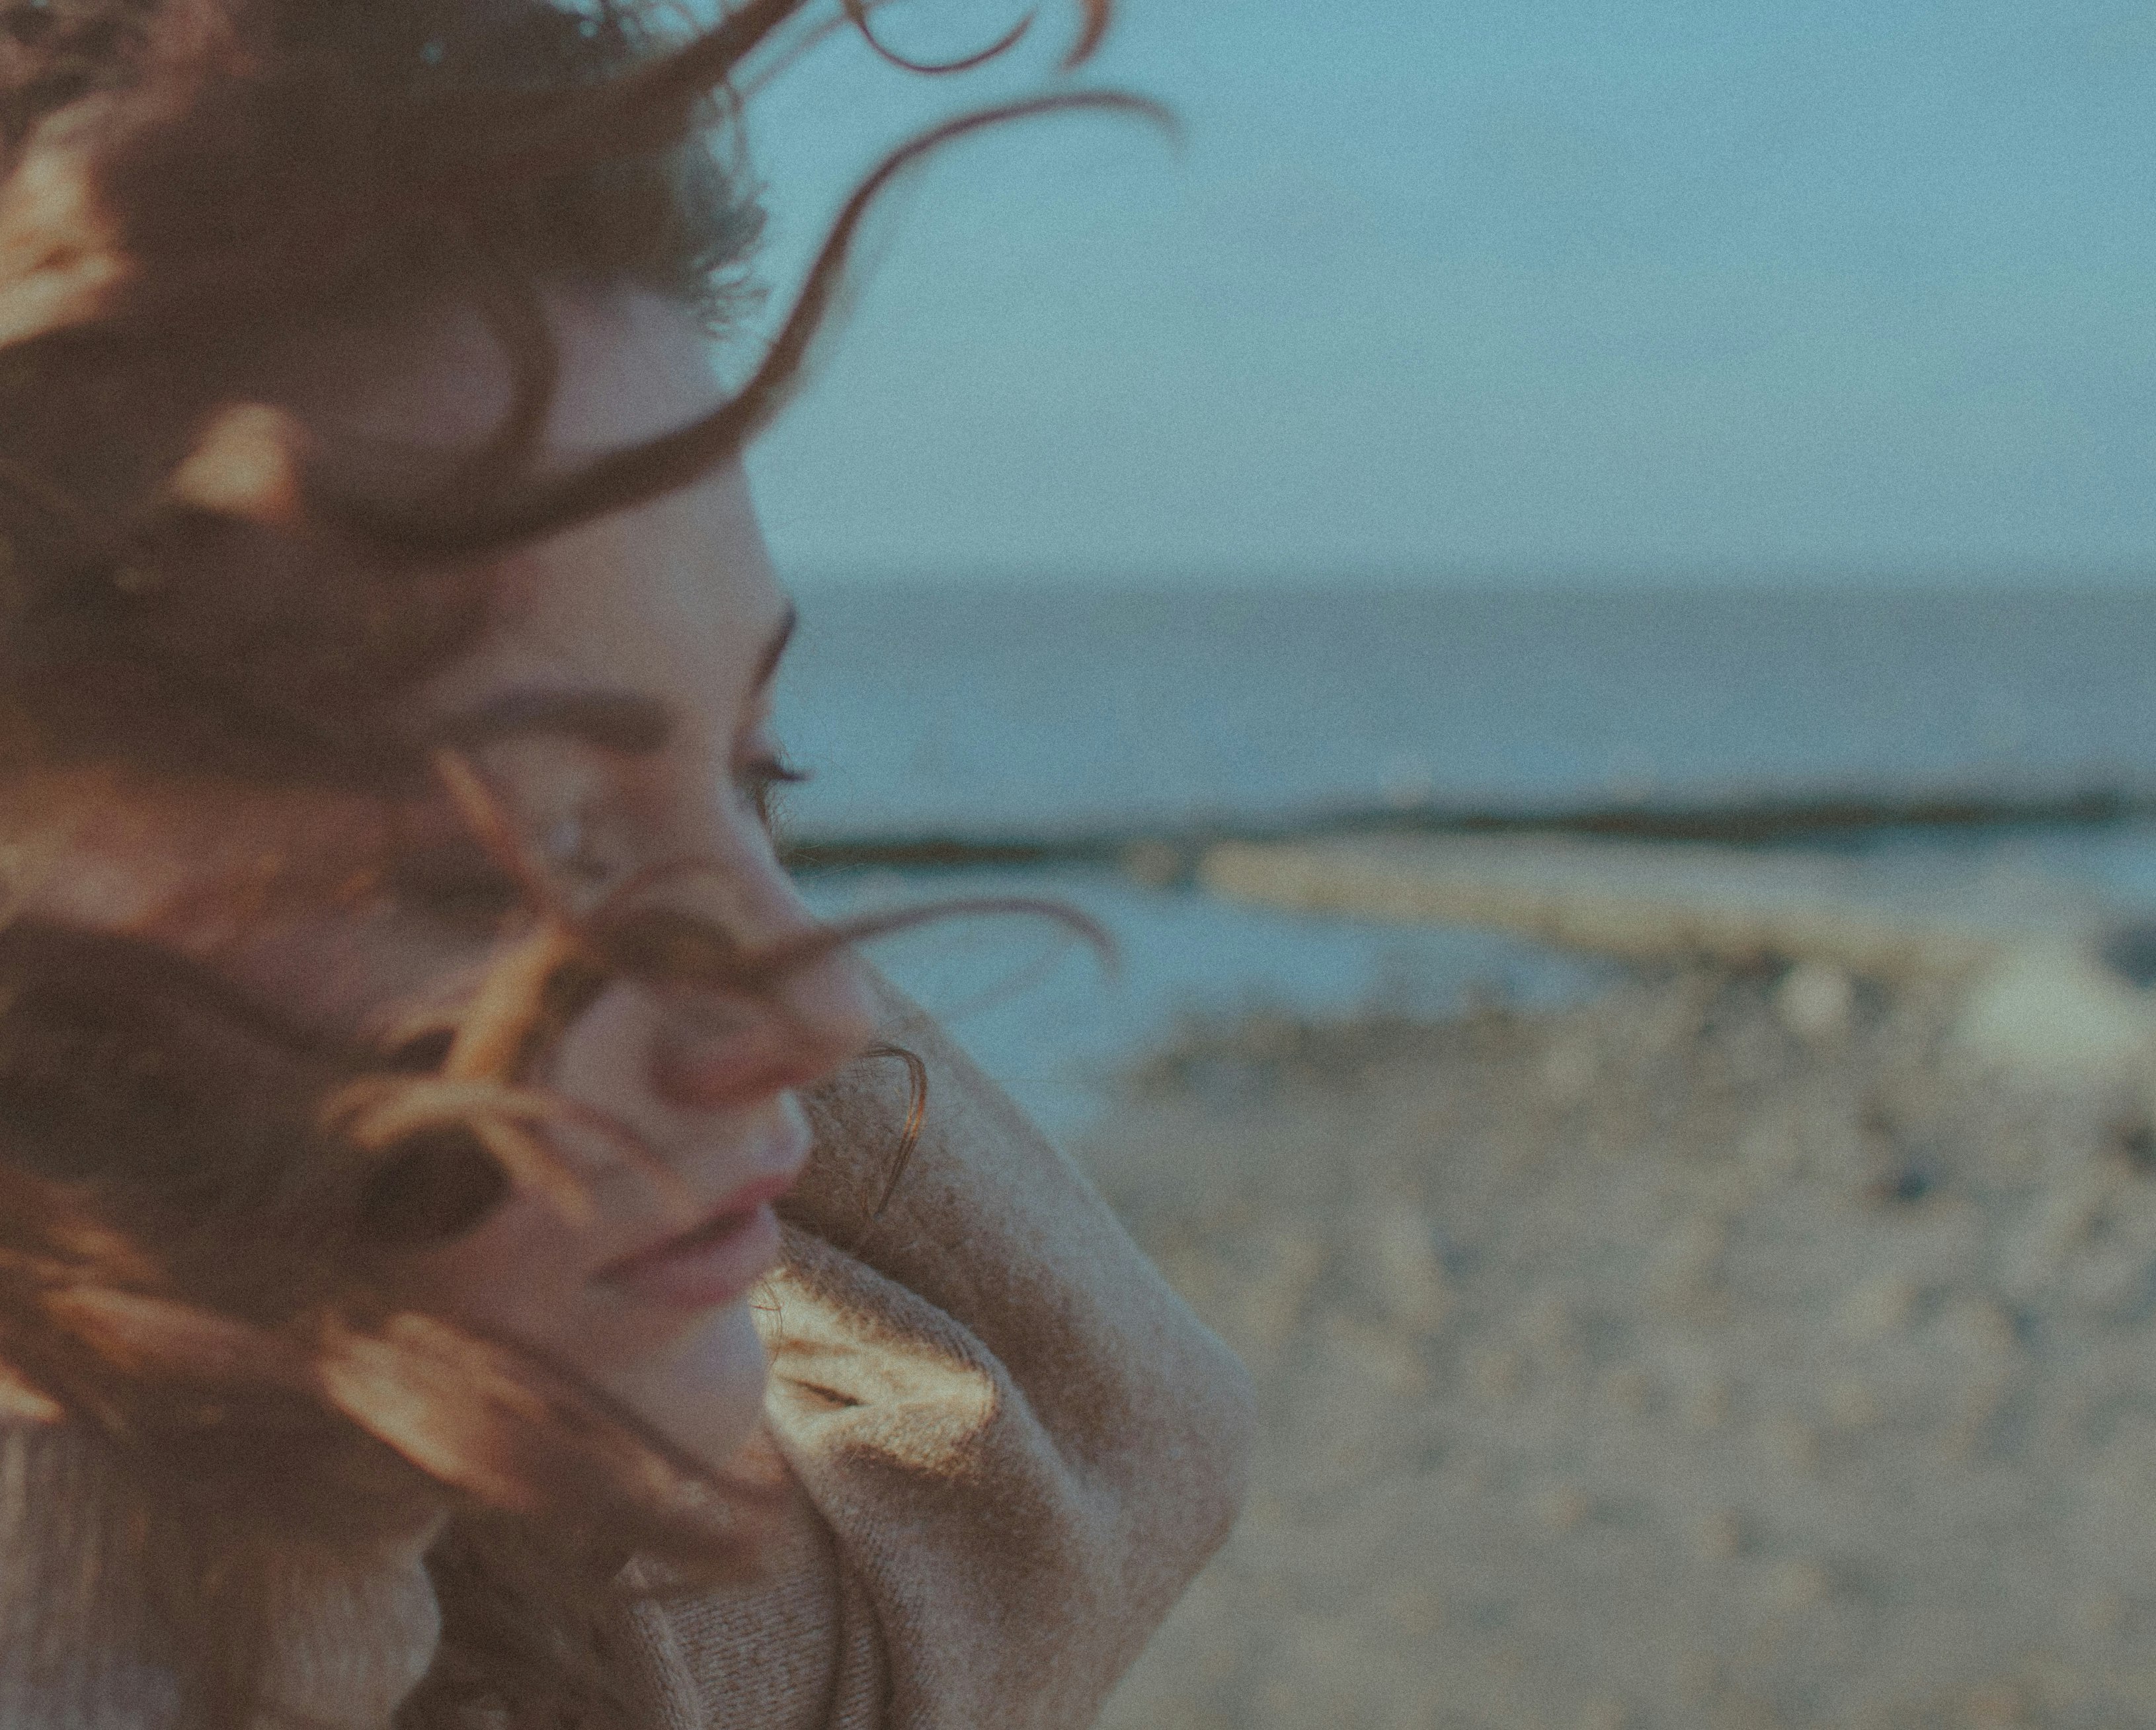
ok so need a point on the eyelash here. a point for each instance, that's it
(461, 885)
(761, 779)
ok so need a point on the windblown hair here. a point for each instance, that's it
(203, 1204)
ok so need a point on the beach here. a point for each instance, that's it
(1727, 1349)
(1648, 1332)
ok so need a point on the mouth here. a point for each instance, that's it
(712, 1263)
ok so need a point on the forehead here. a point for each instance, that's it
(630, 365)
(673, 597)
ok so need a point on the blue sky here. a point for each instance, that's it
(1493, 292)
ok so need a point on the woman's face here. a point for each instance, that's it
(667, 610)
(671, 607)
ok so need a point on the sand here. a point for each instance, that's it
(1727, 1352)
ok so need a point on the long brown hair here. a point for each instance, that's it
(201, 1201)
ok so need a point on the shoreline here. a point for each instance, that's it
(1161, 854)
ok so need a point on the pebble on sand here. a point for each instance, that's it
(1564, 1507)
(1400, 1247)
(1801, 1585)
(1813, 1000)
(1875, 1309)
(1719, 1535)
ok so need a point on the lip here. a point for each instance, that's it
(711, 1263)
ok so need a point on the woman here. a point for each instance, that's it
(425, 1107)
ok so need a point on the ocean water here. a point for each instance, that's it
(1025, 710)
(1039, 712)
(1059, 1025)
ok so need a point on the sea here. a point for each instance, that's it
(1034, 732)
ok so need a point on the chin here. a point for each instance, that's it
(705, 1392)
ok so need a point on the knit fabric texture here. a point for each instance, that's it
(1004, 1447)
(78, 1647)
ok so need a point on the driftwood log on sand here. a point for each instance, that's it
(2053, 983)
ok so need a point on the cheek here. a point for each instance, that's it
(519, 1273)
(604, 1059)
(697, 1377)
(707, 1393)
(524, 1273)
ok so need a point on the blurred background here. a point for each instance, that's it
(1572, 582)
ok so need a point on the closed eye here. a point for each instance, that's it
(459, 883)
(761, 781)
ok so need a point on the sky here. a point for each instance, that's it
(1489, 292)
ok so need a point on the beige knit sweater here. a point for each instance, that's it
(1005, 1446)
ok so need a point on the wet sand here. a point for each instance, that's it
(1726, 1351)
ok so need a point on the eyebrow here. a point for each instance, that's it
(627, 722)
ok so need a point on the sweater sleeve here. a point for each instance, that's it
(74, 1634)
(1008, 1446)
(79, 1649)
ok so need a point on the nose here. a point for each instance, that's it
(717, 1049)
